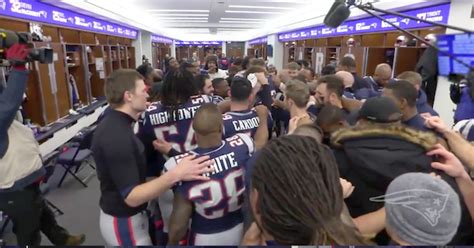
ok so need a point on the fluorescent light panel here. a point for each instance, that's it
(252, 12)
(179, 10)
(240, 22)
(242, 19)
(259, 7)
(183, 18)
(187, 21)
(164, 15)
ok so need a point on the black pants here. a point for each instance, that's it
(430, 90)
(30, 214)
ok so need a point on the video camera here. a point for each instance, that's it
(9, 38)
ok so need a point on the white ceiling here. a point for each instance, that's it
(223, 20)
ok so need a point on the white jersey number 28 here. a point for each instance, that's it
(224, 195)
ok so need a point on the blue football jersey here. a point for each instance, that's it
(218, 202)
(245, 122)
(217, 99)
(159, 123)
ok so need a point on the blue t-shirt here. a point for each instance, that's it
(218, 202)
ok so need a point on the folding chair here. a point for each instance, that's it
(75, 156)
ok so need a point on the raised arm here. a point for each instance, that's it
(451, 165)
(261, 136)
(12, 96)
(458, 145)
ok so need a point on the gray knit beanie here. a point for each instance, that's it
(421, 209)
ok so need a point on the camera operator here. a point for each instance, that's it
(21, 166)
(465, 101)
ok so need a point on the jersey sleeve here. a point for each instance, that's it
(248, 142)
(174, 161)
(170, 164)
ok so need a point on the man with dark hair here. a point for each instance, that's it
(191, 67)
(147, 73)
(121, 164)
(204, 84)
(421, 101)
(331, 119)
(213, 69)
(221, 88)
(217, 220)
(242, 118)
(293, 69)
(303, 64)
(328, 70)
(330, 91)
(404, 95)
(349, 64)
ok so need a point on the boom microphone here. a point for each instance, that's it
(338, 13)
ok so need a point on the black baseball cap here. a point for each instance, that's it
(380, 110)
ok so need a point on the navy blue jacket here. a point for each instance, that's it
(422, 104)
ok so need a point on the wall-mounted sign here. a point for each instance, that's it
(34, 10)
(437, 13)
(198, 43)
(161, 39)
(260, 40)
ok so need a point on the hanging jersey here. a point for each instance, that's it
(245, 122)
(218, 202)
(175, 129)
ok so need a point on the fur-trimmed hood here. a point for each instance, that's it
(426, 140)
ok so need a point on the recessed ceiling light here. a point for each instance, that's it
(252, 12)
(205, 15)
(179, 10)
(259, 7)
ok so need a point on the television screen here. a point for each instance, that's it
(461, 46)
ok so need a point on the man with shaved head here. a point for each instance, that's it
(348, 81)
(381, 78)
(224, 224)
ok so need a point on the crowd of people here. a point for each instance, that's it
(259, 156)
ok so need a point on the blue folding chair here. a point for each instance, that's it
(77, 155)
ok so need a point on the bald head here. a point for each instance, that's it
(207, 120)
(346, 77)
(383, 74)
